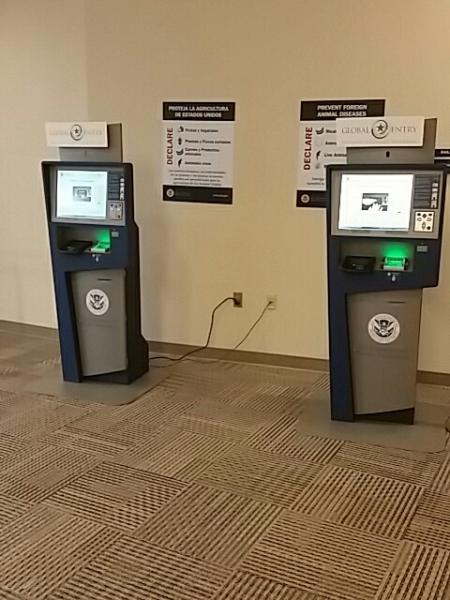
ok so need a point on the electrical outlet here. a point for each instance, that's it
(237, 299)
(272, 301)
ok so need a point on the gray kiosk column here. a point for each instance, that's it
(384, 341)
(99, 300)
(99, 295)
(384, 326)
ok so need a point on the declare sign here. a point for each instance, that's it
(318, 146)
(198, 152)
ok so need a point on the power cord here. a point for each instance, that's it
(208, 339)
(206, 345)
(263, 312)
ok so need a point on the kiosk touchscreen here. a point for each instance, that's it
(94, 245)
(81, 194)
(377, 201)
(384, 247)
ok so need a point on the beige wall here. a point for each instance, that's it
(42, 69)
(266, 55)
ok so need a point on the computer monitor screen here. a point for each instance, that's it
(81, 194)
(375, 201)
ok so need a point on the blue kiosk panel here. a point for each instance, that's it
(384, 225)
(94, 244)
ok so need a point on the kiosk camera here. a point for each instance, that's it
(94, 245)
(384, 246)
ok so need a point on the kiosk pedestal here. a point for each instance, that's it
(100, 312)
(383, 336)
(94, 243)
(384, 223)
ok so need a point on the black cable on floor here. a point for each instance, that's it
(208, 339)
(246, 336)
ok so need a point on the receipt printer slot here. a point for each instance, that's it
(359, 264)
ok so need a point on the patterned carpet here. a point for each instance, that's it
(203, 490)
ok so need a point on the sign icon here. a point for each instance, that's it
(97, 302)
(305, 199)
(383, 328)
(76, 132)
(380, 129)
(170, 193)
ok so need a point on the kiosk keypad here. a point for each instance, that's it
(424, 221)
(115, 211)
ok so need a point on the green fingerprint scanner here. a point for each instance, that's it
(100, 247)
(395, 263)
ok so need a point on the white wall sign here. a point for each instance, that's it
(388, 131)
(198, 151)
(318, 146)
(89, 134)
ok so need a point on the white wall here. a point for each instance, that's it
(43, 78)
(267, 56)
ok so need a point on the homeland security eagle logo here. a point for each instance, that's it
(97, 302)
(383, 328)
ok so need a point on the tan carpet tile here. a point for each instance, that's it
(118, 496)
(411, 467)
(99, 420)
(209, 425)
(210, 525)
(158, 407)
(359, 500)
(418, 572)
(13, 402)
(243, 420)
(10, 447)
(134, 569)
(260, 476)
(273, 398)
(441, 481)
(43, 472)
(322, 558)
(281, 437)
(35, 421)
(40, 550)
(171, 451)
(244, 586)
(97, 444)
(9, 595)
(11, 508)
(202, 489)
(431, 523)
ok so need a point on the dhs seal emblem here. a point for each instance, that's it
(383, 328)
(97, 302)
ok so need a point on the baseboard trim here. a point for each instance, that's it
(277, 360)
(244, 356)
(433, 378)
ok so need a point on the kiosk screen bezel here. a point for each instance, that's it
(112, 170)
(335, 181)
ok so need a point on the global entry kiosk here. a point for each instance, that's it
(384, 220)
